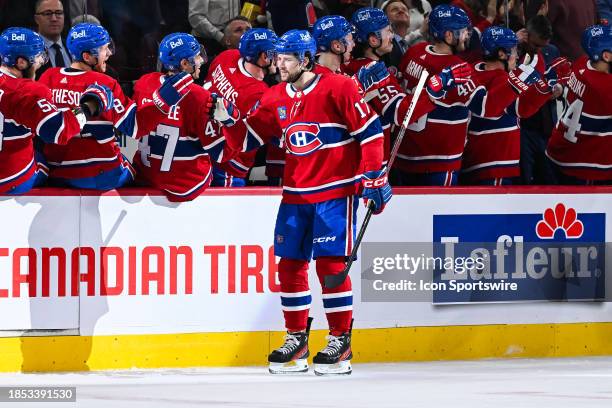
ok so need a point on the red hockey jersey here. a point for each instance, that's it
(330, 134)
(176, 155)
(96, 149)
(581, 143)
(494, 142)
(391, 103)
(436, 141)
(26, 110)
(228, 77)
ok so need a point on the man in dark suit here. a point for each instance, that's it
(49, 18)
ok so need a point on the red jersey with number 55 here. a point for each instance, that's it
(390, 102)
(176, 155)
(581, 143)
(27, 110)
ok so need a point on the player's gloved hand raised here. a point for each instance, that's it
(448, 78)
(100, 95)
(524, 75)
(376, 189)
(222, 110)
(371, 75)
(174, 88)
(558, 72)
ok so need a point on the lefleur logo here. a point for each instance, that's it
(559, 218)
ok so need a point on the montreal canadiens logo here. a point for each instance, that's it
(559, 218)
(302, 138)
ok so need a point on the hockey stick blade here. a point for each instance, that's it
(333, 281)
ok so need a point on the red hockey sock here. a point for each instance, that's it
(295, 293)
(338, 302)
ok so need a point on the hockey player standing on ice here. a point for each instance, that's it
(333, 145)
(385, 96)
(493, 146)
(92, 160)
(27, 110)
(176, 156)
(238, 75)
(580, 146)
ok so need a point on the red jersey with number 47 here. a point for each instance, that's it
(581, 143)
(228, 77)
(27, 110)
(176, 155)
(96, 149)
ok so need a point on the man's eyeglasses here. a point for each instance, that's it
(49, 13)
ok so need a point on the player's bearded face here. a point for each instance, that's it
(289, 67)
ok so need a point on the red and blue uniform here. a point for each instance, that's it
(390, 102)
(432, 149)
(580, 143)
(493, 148)
(331, 137)
(27, 110)
(92, 160)
(228, 77)
(176, 155)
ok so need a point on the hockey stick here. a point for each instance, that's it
(332, 281)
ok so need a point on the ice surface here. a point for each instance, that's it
(555, 383)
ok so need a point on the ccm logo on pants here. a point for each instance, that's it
(321, 240)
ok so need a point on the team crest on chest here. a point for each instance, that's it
(303, 138)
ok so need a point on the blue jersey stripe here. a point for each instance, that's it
(299, 191)
(373, 128)
(478, 124)
(184, 148)
(49, 129)
(11, 130)
(453, 113)
(595, 125)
